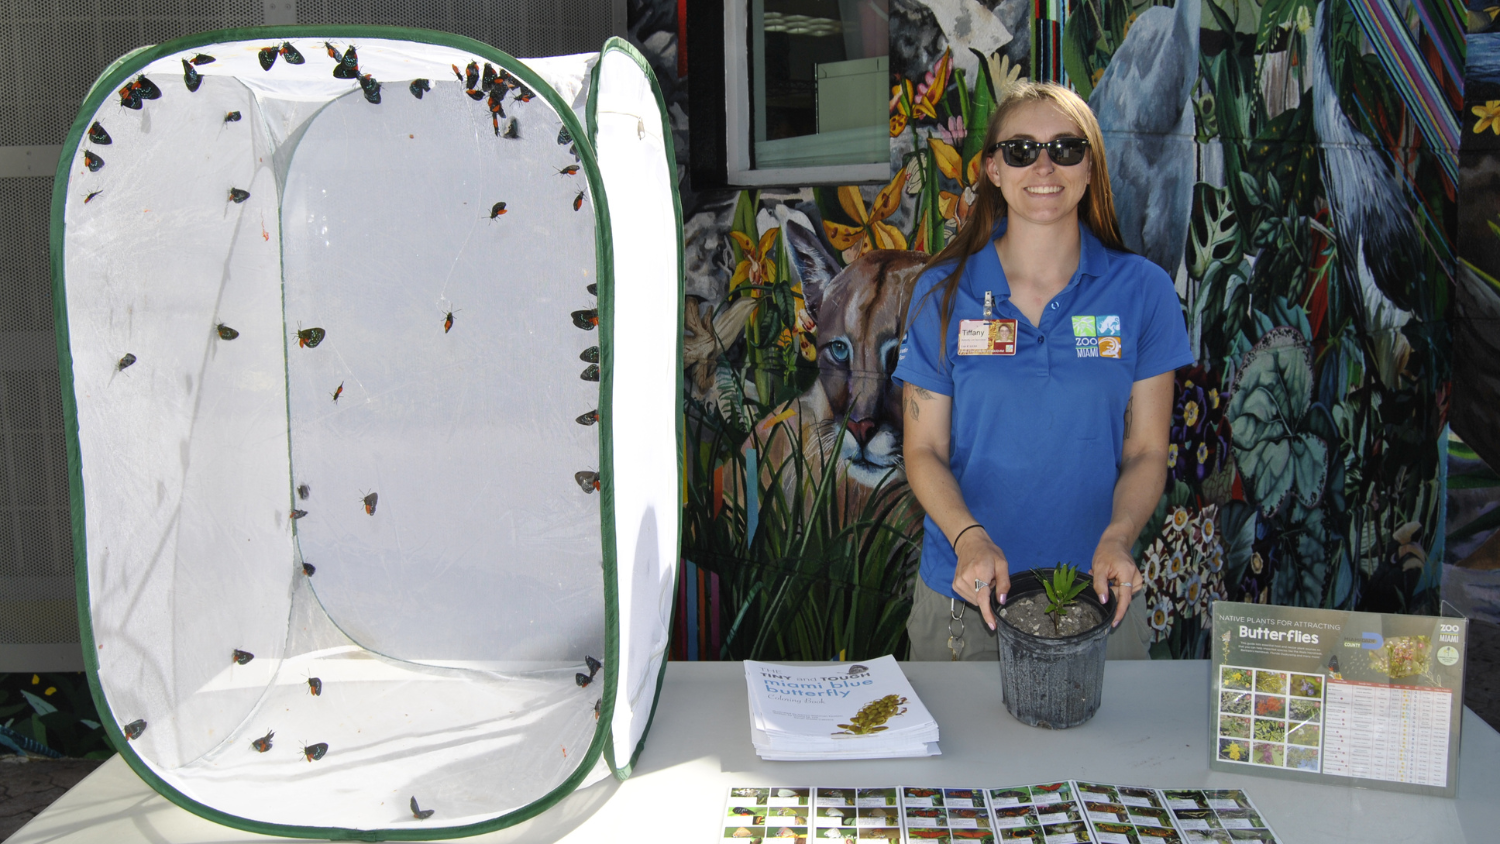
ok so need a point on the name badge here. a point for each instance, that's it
(987, 337)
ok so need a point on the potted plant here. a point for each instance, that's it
(1053, 634)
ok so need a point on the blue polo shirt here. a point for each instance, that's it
(1037, 436)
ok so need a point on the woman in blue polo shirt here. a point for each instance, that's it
(1037, 365)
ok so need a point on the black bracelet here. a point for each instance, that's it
(961, 535)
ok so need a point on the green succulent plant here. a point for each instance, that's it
(1062, 590)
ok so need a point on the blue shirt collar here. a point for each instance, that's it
(1093, 258)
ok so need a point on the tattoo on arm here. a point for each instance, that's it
(913, 409)
(1128, 403)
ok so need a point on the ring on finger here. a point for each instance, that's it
(980, 585)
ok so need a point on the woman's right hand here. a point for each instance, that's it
(980, 560)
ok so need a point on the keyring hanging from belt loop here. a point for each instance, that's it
(956, 640)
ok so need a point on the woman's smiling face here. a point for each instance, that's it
(1041, 192)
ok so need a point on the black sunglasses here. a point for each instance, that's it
(1064, 152)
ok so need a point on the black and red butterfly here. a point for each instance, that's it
(570, 170)
(90, 197)
(588, 418)
(134, 729)
(314, 686)
(591, 372)
(523, 93)
(267, 56)
(93, 162)
(489, 78)
(587, 481)
(290, 53)
(371, 88)
(338, 392)
(314, 752)
(348, 62)
(98, 136)
(370, 501)
(232, 117)
(418, 87)
(586, 319)
(309, 569)
(303, 491)
(128, 360)
(513, 130)
(225, 332)
(201, 59)
(190, 76)
(296, 514)
(419, 813)
(238, 195)
(458, 73)
(578, 201)
(242, 657)
(496, 210)
(309, 338)
(263, 743)
(448, 323)
(584, 679)
(471, 76)
(590, 355)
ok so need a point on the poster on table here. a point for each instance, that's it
(1363, 699)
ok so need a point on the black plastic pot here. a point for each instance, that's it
(1052, 683)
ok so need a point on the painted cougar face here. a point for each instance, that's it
(860, 313)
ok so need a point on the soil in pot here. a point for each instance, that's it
(1029, 615)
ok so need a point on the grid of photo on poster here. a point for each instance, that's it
(1270, 718)
(1123, 814)
(946, 815)
(1048, 813)
(1033, 814)
(1218, 816)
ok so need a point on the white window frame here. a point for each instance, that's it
(737, 122)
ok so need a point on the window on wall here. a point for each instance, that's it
(806, 85)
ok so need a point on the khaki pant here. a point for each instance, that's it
(932, 614)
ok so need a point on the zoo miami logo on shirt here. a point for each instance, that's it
(1097, 336)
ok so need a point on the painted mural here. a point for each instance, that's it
(1289, 163)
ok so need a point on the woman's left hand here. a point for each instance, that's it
(1114, 570)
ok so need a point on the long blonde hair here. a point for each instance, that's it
(1097, 208)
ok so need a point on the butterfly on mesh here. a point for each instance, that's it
(348, 62)
(496, 210)
(418, 812)
(418, 87)
(90, 197)
(303, 491)
(225, 332)
(232, 117)
(587, 481)
(134, 729)
(338, 392)
(309, 569)
(93, 162)
(584, 679)
(238, 195)
(370, 501)
(242, 657)
(371, 87)
(314, 686)
(590, 373)
(570, 170)
(586, 319)
(128, 360)
(314, 752)
(590, 355)
(309, 338)
(589, 418)
(297, 514)
(99, 136)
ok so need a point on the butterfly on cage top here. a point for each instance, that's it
(309, 569)
(490, 77)
(587, 481)
(303, 491)
(496, 210)
(578, 201)
(93, 162)
(290, 53)
(225, 332)
(589, 355)
(267, 56)
(471, 76)
(418, 87)
(512, 130)
(263, 743)
(591, 372)
(296, 514)
(314, 686)
(370, 501)
(90, 197)
(98, 136)
(238, 195)
(371, 87)
(190, 76)
(242, 657)
(134, 729)
(128, 360)
(348, 62)
(588, 418)
(420, 813)
(339, 391)
(202, 59)
(232, 117)
(586, 319)
(570, 170)
(314, 752)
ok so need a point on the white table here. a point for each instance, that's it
(1151, 730)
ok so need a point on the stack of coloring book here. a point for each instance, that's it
(1067, 812)
(863, 710)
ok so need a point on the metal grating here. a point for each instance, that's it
(519, 27)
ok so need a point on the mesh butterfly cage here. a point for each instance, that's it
(369, 344)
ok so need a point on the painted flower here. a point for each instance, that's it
(1257, 563)
(757, 269)
(909, 104)
(806, 334)
(1172, 455)
(1190, 414)
(950, 205)
(1304, 20)
(953, 131)
(1153, 563)
(1177, 565)
(1213, 398)
(1179, 518)
(1161, 619)
(1202, 453)
(1489, 117)
(1216, 561)
(871, 232)
(1193, 595)
(1002, 74)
